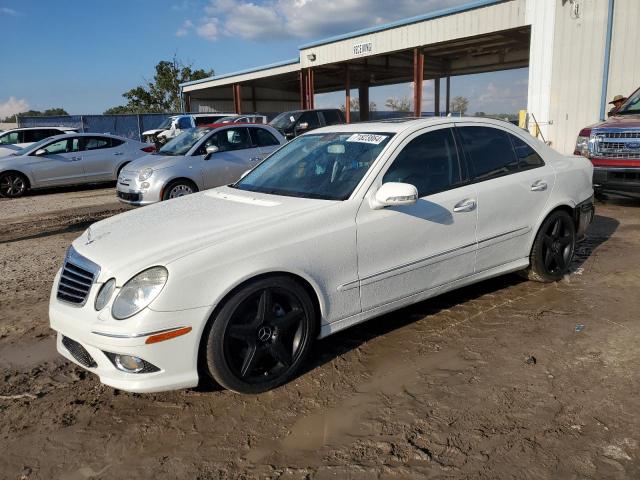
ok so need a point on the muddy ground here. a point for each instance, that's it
(506, 379)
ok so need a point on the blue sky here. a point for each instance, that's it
(82, 55)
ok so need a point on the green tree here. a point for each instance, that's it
(459, 105)
(402, 105)
(50, 112)
(163, 93)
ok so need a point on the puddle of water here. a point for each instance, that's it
(28, 355)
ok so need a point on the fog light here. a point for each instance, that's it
(129, 363)
(145, 185)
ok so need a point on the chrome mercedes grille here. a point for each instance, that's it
(76, 278)
(616, 144)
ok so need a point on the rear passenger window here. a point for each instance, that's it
(311, 118)
(429, 162)
(97, 143)
(11, 138)
(37, 135)
(116, 142)
(263, 138)
(490, 152)
(526, 154)
(184, 123)
(331, 117)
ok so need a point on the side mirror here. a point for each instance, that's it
(40, 152)
(393, 194)
(211, 149)
(303, 126)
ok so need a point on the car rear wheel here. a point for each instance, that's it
(261, 336)
(553, 248)
(179, 188)
(13, 185)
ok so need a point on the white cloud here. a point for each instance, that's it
(209, 29)
(13, 106)
(9, 11)
(184, 29)
(305, 19)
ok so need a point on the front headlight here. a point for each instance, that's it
(145, 173)
(139, 292)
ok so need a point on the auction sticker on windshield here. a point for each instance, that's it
(367, 138)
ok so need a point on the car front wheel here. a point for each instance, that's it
(12, 185)
(261, 336)
(179, 188)
(553, 248)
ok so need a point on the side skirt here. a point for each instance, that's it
(510, 267)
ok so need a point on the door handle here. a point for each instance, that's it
(75, 159)
(539, 186)
(117, 154)
(255, 159)
(467, 205)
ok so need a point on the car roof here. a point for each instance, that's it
(397, 125)
(229, 124)
(22, 129)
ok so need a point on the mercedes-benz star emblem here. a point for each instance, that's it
(264, 333)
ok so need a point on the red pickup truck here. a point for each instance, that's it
(613, 146)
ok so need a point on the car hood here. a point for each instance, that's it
(153, 131)
(158, 234)
(619, 121)
(153, 161)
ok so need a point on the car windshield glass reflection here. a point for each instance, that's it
(631, 106)
(34, 147)
(165, 124)
(183, 142)
(326, 166)
(284, 120)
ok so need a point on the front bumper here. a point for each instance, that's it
(130, 191)
(621, 180)
(176, 359)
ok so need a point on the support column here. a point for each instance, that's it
(187, 103)
(347, 94)
(436, 94)
(253, 99)
(310, 90)
(303, 89)
(237, 98)
(363, 99)
(418, 78)
(448, 96)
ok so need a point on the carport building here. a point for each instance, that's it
(580, 53)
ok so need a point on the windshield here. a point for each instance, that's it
(631, 106)
(181, 144)
(32, 147)
(285, 120)
(326, 166)
(166, 124)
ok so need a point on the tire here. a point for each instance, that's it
(13, 185)
(179, 188)
(261, 336)
(553, 248)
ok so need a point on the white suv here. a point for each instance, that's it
(173, 126)
(15, 139)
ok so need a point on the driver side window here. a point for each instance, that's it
(66, 145)
(429, 162)
(228, 140)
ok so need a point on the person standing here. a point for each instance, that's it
(617, 102)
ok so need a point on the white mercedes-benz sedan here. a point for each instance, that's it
(338, 226)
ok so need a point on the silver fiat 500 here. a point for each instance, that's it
(197, 159)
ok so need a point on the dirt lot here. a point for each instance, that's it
(494, 381)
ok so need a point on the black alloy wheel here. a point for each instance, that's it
(12, 185)
(261, 336)
(553, 248)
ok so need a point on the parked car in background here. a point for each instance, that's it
(292, 124)
(173, 126)
(67, 159)
(197, 159)
(613, 146)
(253, 118)
(17, 138)
(338, 226)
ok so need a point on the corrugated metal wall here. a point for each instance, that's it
(503, 16)
(624, 69)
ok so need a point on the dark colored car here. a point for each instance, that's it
(293, 123)
(613, 146)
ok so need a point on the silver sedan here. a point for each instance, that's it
(67, 159)
(197, 159)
